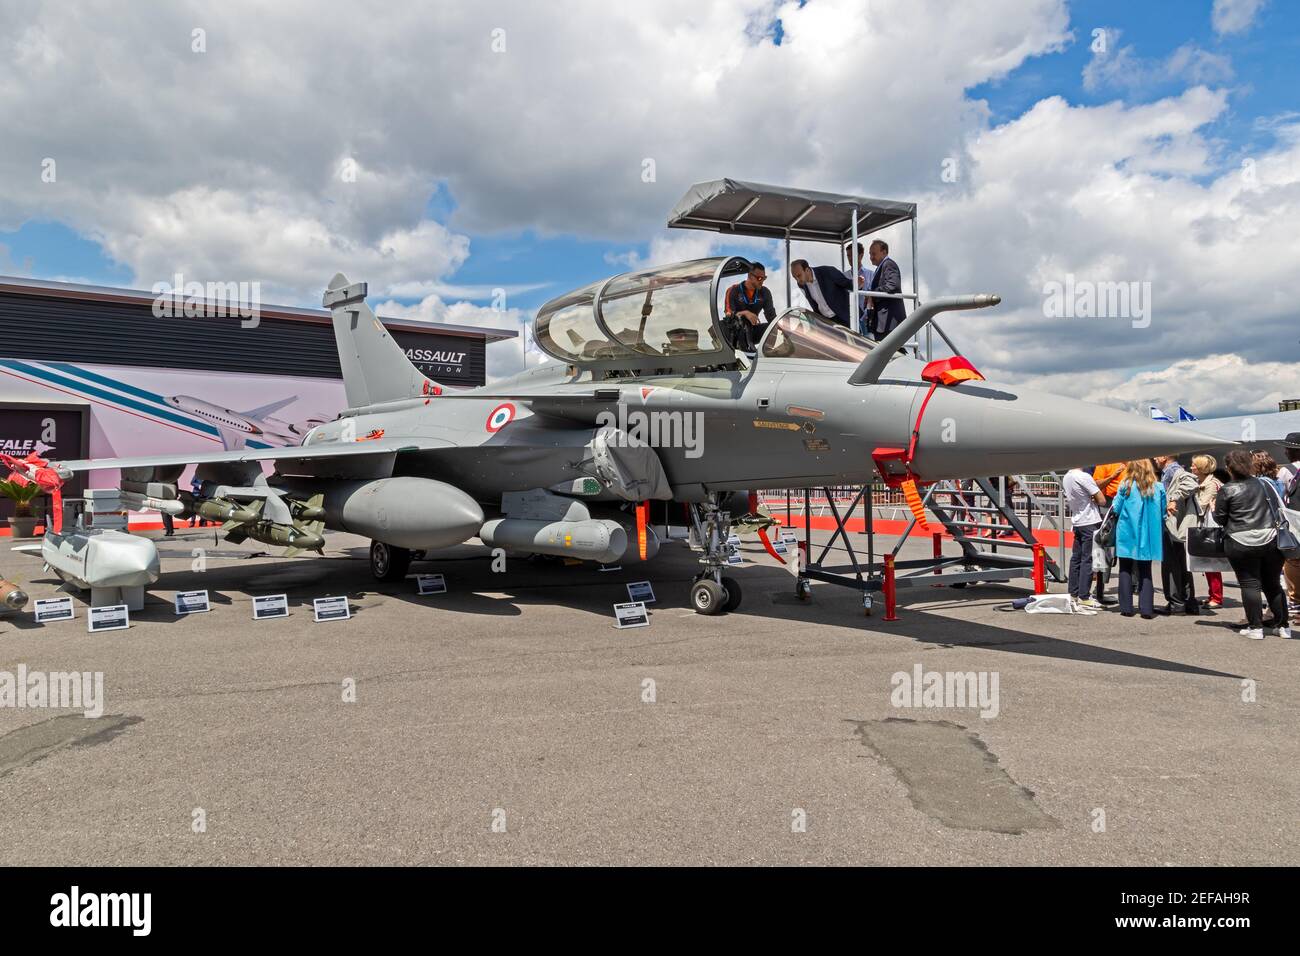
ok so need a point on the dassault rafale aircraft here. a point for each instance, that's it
(647, 401)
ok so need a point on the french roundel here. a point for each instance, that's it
(501, 416)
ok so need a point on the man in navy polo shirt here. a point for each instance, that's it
(748, 307)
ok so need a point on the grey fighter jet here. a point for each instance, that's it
(647, 401)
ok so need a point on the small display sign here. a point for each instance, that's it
(331, 609)
(191, 602)
(54, 609)
(270, 605)
(641, 591)
(113, 617)
(733, 558)
(632, 614)
(431, 584)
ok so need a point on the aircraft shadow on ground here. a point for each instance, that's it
(473, 588)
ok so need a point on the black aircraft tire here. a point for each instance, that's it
(708, 597)
(389, 563)
(732, 587)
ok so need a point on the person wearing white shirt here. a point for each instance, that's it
(1082, 496)
(865, 272)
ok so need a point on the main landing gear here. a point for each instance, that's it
(388, 562)
(713, 592)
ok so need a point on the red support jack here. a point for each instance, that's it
(938, 550)
(891, 598)
(1040, 570)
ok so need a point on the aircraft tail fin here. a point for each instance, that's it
(375, 369)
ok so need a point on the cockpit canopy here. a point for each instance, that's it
(654, 317)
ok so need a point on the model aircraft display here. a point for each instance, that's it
(566, 458)
(235, 427)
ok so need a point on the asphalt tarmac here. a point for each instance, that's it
(508, 721)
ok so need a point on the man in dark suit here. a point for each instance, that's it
(826, 288)
(883, 315)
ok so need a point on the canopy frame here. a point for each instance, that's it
(733, 207)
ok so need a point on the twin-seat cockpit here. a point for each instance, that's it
(671, 317)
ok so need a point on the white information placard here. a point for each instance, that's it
(641, 591)
(270, 605)
(632, 614)
(112, 617)
(191, 602)
(331, 609)
(54, 609)
(431, 584)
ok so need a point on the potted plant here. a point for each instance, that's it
(23, 523)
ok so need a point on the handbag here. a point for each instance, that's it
(1205, 541)
(1286, 539)
(1105, 536)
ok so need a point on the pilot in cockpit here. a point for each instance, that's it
(747, 308)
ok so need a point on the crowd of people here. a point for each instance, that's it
(1205, 519)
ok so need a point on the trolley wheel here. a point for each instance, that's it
(708, 597)
(389, 563)
(802, 589)
(732, 587)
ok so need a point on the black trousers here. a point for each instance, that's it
(1128, 569)
(1081, 560)
(1179, 584)
(1259, 572)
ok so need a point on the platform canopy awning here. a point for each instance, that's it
(738, 208)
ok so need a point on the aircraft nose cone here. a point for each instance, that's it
(985, 428)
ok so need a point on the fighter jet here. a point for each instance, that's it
(647, 401)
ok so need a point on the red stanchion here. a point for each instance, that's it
(938, 548)
(1040, 570)
(891, 602)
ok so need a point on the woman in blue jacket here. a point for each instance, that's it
(1140, 506)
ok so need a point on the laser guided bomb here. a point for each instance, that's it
(550, 460)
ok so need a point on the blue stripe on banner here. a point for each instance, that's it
(164, 412)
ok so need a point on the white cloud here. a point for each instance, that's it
(1217, 385)
(1234, 16)
(504, 357)
(226, 165)
(1118, 66)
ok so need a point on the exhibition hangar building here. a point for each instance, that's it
(97, 372)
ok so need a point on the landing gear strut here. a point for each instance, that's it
(387, 562)
(711, 591)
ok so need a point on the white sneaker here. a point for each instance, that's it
(1254, 633)
(1284, 633)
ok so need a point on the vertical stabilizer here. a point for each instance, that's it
(375, 369)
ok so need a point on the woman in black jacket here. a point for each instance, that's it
(1243, 510)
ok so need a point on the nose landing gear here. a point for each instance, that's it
(712, 592)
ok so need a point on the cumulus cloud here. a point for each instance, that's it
(1234, 16)
(1216, 385)
(504, 358)
(301, 144)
